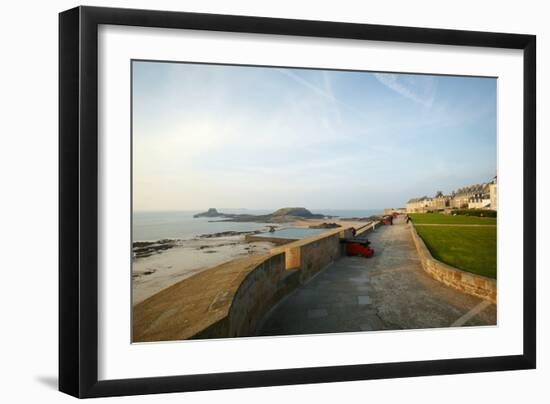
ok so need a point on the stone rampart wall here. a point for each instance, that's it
(477, 285)
(230, 300)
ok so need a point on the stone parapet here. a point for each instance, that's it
(371, 226)
(231, 299)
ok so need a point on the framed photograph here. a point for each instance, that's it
(250, 201)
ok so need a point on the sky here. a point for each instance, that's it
(262, 137)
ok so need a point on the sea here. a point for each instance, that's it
(152, 226)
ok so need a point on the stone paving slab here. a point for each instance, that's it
(317, 313)
(389, 291)
(363, 300)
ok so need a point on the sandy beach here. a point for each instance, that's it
(186, 258)
(180, 259)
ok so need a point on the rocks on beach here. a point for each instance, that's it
(143, 249)
(230, 233)
(325, 226)
(185, 258)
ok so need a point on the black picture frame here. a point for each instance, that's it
(78, 200)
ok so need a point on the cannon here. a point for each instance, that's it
(358, 246)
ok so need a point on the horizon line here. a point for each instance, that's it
(228, 208)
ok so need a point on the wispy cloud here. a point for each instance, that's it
(264, 137)
(420, 89)
(325, 92)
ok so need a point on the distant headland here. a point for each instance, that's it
(282, 215)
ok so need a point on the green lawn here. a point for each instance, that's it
(438, 218)
(473, 249)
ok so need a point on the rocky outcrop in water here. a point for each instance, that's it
(279, 216)
(212, 212)
(296, 212)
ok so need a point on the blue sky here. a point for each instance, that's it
(258, 137)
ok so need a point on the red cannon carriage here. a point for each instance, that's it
(388, 219)
(357, 246)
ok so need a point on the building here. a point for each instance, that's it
(428, 204)
(417, 205)
(480, 201)
(478, 196)
(493, 193)
(439, 201)
(473, 193)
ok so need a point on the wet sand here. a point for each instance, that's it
(188, 257)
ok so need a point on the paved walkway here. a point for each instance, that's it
(387, 292)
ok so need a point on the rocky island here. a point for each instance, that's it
(283, 215)
(212, 212)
